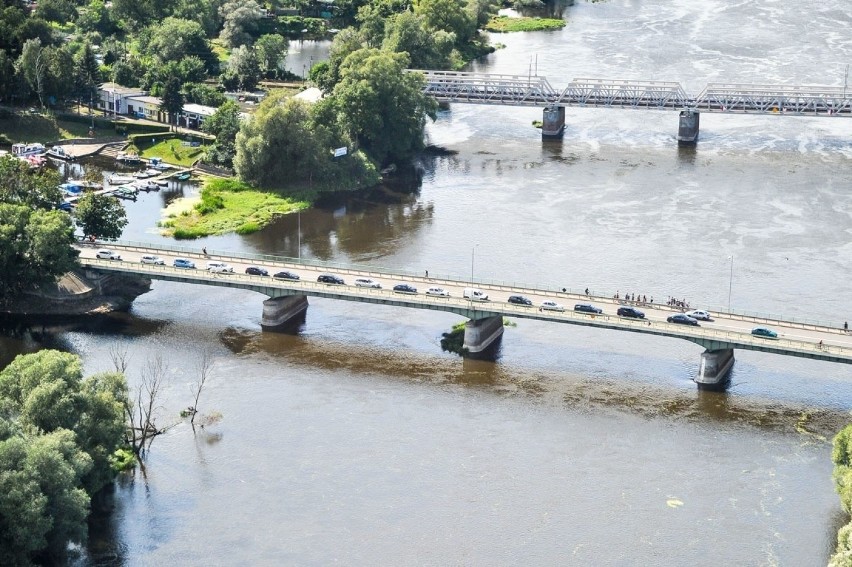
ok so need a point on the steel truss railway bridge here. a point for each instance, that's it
(288, 303)
(533, 90)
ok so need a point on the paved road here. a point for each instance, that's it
(812, 334)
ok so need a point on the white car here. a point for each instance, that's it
(219, 268)
(152, 260)
(367, 282)
(105, 254)
(439, 291)
(551, 306)
(699, 314)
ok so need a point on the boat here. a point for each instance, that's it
(58, 152)
(159, 164)
(126, 192)
(161, 182)
(146, 186)
(26, 150)
(116, 179)
(183, 176)
(144, 174)
(128, 158)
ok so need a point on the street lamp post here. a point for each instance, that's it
(730, 282)
(299, 233)
(472, 258)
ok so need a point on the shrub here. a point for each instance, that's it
(248, 228)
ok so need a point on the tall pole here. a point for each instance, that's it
(730, 283)
(472, 258)
(299, 233)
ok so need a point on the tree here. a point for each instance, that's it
(344, 43)
(101, 216)
(244, 65)
(224, 124)
(241, 22)
(33, 66)
(88, 75)
(36, 248)
(175, 39)
(277, 144)
(19, 185)
(382, 106)
(57, 433)
(271, 51)
(406, 32)
(60, 11)
(172, 98)
(448, 15)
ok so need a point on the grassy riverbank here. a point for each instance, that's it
(25, 127)
(506, 24)
(171, 151)
(227, 205)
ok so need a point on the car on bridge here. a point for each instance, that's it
(548, 305)
(700, 314)
(285, 275)
(256, 271)
(764, 333)
(520, 300)
(183, 263)
(330, 279)
(156, 260)
(367, 282)
(439, 291)
(631, 312)
(105, 254)
(682, 319)
(474, 294)
(405, 288)
(219, 268)
(587, 308)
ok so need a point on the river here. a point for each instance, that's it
(358, 441)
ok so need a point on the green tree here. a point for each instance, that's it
(224, 124)
(175, 39)
(199, 93)
(241, 22)
(381, 106)
(57, 432)
(243, 64)
(271, 51)
(88, 75)
(101, 216)
(60, 11)
(33, 66)
(326, 76)
(19, 185)
(448, 15)
(172, 98)
(96, 17)
(7, 76)
(427, 49)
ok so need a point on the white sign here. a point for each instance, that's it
(340, 152)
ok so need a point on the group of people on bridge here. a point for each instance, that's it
(638, 299)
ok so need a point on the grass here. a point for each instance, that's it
(227, 205)
(44, 128)
(505, 24)
(172, 151)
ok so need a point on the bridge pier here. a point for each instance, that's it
(687, 131)
(278, 311)
(479, 334)
(714, 371)
(553, 122)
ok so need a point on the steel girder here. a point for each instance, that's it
(624, 94)
(774, 99)
(489, 89)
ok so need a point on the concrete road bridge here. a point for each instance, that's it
(533, 90)
(288, 302)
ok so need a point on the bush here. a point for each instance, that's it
(187, 234)
(248, 228)
(210, 202)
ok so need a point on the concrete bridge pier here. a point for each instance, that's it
(479, 334)
(687, 131)
(715, 368)
(553, 122)
(279, 311)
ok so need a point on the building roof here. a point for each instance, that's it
(118, 89)
(147, 99)
(310, 95)
(199, 109)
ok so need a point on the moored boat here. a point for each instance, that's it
(128, 158)
(26, 150)
(117, 179)
(58, 152)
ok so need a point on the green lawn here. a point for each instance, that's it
(44, 128)
(226, 206)
(501, 24)
(171, 151)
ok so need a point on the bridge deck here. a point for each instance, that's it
(727, 331)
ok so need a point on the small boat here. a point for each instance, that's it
(26, 150)
(183, 176)
(146, 186)
(126, 192)
(143, 174)
(128, 157)
(58, 152)
(161, 182)
(159, 164)
(116, 179)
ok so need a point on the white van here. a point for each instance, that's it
(219, 268)
(475, 294)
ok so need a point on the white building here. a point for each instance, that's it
(112, 97)
(193, 115)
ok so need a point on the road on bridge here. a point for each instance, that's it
(655, 313)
